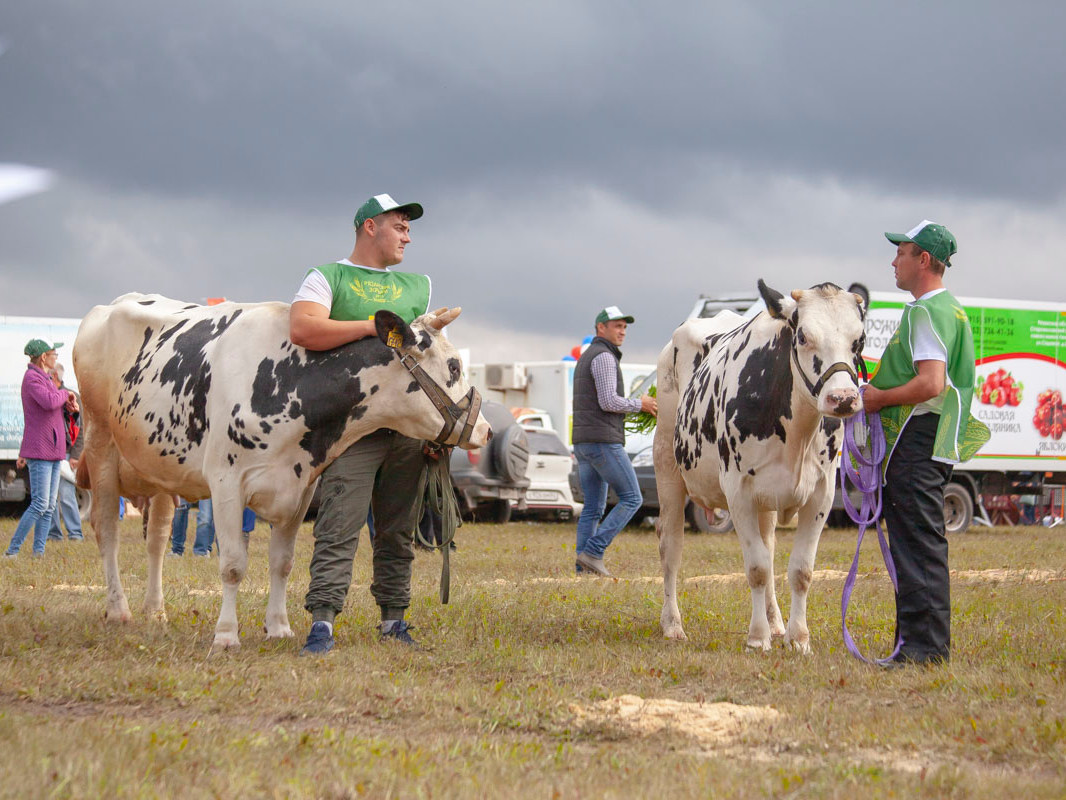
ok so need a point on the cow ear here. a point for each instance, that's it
(442, 316)
(777, 304)
(393, 331)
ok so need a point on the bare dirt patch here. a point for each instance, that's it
(711, 724)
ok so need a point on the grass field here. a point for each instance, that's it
(536, 683)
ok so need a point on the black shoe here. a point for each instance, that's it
(397, 631)
(904, 660)
(319, 640)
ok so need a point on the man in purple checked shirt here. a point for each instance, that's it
(600, 406)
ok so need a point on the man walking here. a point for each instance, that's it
(386, 471)
(923, 388)
(600, 406)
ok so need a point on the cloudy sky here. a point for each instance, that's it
(568, 154)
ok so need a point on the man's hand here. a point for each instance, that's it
(72, 403)
(74, 463)
(872, 400)
(20, 463)
(649, 404)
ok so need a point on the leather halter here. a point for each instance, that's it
(451, 412)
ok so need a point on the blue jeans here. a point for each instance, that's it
(600, 465)
(205, 529)
(67, 508)
(44, 489)
(179, 528)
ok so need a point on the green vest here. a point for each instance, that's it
(360, 292)
(958, 435)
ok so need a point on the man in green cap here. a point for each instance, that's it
(335, 305)
(923, 388)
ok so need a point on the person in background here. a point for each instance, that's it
(67, 501)
(43, 443)
(600, 407)
(205, 529)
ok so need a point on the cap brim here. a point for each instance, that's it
(898, 238)
(628, 320)
(412, 210)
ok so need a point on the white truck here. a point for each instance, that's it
(15, 332)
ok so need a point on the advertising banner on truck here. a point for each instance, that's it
(1020, 353)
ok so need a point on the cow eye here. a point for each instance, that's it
(801, 338)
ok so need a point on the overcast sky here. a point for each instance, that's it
(569, 155)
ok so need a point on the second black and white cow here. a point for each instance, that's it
(749, 418)
(182, 399)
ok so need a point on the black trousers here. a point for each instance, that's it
(914, 512)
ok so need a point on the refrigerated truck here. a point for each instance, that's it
(1020, 353)
(15, 332)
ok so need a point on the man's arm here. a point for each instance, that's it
(311, 327)
(927, 384)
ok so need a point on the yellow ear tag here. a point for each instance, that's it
(395, 339)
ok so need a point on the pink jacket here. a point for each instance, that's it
(42, 405)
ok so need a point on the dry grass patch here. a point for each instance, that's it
(523, 688)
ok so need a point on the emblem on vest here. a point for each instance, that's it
(374, 292)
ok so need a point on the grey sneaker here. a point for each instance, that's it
(593, 565)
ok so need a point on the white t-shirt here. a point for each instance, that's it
(926, 346)
(316, 288)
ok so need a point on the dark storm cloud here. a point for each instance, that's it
(561, 149)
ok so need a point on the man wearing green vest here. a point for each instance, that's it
(923, 387)
(335, 305)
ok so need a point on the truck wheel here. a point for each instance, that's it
(958, 508)
(511, 449)
(717, 521)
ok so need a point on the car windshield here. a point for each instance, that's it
(641, 388)
(546, 443)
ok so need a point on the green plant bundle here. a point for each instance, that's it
(641, 421)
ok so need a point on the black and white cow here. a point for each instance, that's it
(217, 402)
(749, 418)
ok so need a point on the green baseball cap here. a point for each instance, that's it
(935, 239)
(612, 312)
(38, 347)
(380, 203)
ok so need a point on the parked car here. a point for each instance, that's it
(717, 521)
(491, 480)
(549, 468)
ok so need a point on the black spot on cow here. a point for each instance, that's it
(723, 452)
(751, 472)
(265, 426)
(145, 302)
(412, 387)
(326, 385)
(191, 305)
(831, 427)
(239, 438)
(817, 364)
(132, 377)
(231, 458)
(425, 341)
(761, 399)
(297, 469)
(374, 389)
(236, 410)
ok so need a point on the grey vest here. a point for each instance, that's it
(592, 423)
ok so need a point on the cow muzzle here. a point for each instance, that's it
(841, 402)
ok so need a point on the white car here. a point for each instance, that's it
(548, 471)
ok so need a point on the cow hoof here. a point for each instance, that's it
(759, 644)
(280, 633)
(118, 616)
(157, 616)
(225, 641)
(803, 647)
(674, 632)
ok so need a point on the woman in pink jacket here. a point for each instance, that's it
(44, 443)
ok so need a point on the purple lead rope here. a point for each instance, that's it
(867, 479)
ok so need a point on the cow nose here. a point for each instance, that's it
(844, 403)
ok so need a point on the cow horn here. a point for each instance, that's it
(797, 294)
(444, 316)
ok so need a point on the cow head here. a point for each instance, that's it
(827, 331)
(451, 408)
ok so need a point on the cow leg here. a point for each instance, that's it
(160, 513)
(232, 564)
(759, 567)
(801, 567)
(768, 529)
(282, 546)
(671, 531)
(103, 471)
